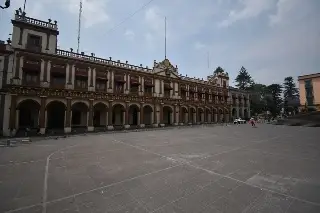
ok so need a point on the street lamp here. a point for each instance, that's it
(6, 4)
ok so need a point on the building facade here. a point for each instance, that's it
(48, 89)
(309, 90)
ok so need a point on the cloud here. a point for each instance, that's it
(198, 45)
(94, 12)
(250, 9)
(129, 34)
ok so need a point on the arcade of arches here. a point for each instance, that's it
(68, 114)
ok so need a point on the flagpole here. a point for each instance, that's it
(24, 5)
(165, 37)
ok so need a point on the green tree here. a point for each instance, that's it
(218, 70)
(244, 80)
(257, 98)
(273, 99)
(291, 94)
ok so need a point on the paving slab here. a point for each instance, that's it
(232, 168)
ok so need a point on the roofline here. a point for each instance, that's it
(314, 75)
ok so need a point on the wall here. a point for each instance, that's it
(316, 90)
(16, 36)
(302, 92)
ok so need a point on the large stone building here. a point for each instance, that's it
(309, 90)
(46, 88)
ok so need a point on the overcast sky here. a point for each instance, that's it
(272, 39)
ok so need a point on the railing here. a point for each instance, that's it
(101, 60)
(47, 24)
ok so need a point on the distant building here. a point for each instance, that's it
(44, 88)
(309, 86)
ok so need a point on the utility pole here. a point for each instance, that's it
(165, 37)
(79, 25)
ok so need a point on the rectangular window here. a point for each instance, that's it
(148, 90)
(118, 87)
(34, 42)
(31, 78)
(224, 84)
(81, 82)
(58, 79)
(134, 89)
(100, 85)
(167, 93)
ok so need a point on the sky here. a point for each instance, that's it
(272, 39)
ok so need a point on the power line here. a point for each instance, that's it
(130, 16)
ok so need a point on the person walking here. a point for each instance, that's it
(252, 122)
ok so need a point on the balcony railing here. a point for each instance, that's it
(47, 24)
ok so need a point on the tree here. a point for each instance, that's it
(273, 99)
(6, 4)
(257, 98)
(290, 94)
(244, 80)
(218, 70)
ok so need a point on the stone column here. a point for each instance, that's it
(12, 120)
(161, 115)
(126, 124)
(110, 126)
(67, 127)
(42, 117)
(175, 115)
(155, 120)
(142, 124)
(90, 121)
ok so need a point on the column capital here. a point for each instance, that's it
(69, 98)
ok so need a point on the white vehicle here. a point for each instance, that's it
(239, 121)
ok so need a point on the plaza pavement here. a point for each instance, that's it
(209, 169)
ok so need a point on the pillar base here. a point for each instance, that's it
(67, 129)
(90, 128)
(42, 131)
(155, 125)
(44, 84)
(190, 124)
(175, 124)
(126, 126)
(142, 125)
(162, 125)
(109, 127)
(181, 124)
(198, 123)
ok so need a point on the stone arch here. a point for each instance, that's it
(134, 112)
(28, 114)
(137, 106)
(147, 114)
(234, 112)
(118, 110)
(246, 114)
(55, 114)
(200, 115)
(207, 114)
(79, 115)
(100, 112)
(167, 112)
(192, 114)
(73, 102)
(183, 114)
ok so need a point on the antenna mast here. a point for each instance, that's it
(79, 25)
(165, 37)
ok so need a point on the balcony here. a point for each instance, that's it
(45, 24)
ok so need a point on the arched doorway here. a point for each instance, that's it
(234, 113)
(55, 115)
(133, 115)
(118, 115)
(192, 115)
(167, 111)
(28, 114)
(147, 115)
(226, 115)
(246, 115)
(79, 115)
(215, 115)
(200, 115)
(183, 115)
(220, 115)
(207, 115)
(100, 115)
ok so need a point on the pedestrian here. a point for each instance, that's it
(252, 122)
